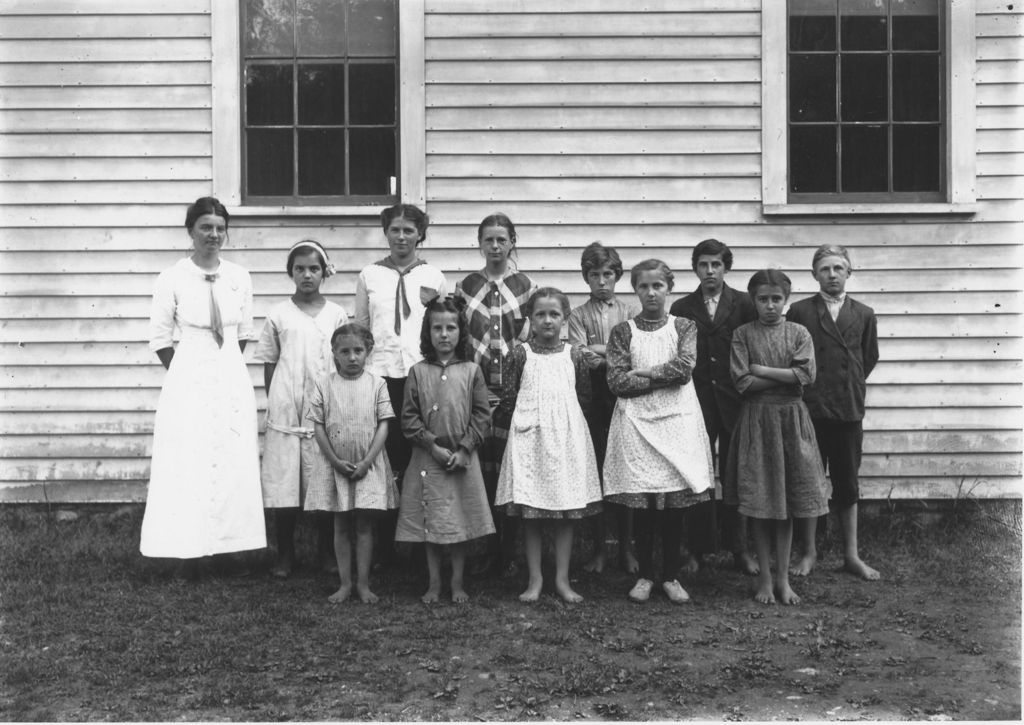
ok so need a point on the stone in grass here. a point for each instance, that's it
(65, 515)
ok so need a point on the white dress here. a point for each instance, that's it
(549, 461)
(657, 442)
(300, 346)
(204, 488)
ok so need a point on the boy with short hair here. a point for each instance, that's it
(845, 336)
(589, 327)
(717, 310)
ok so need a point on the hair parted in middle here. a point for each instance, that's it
(455, 305)
(549, 293)
(771, 277)
(305, 247)
(596, 255)
(406, 211)
(354, 329)
(712, 247)
(651, 265)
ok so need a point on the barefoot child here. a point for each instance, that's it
(717, 309)
(549, 472)
(845, 335)
(295, 349)
(350, 410)
(496, 322)
(446, 415)
(774, 469)
(659, 459)
(589, 327)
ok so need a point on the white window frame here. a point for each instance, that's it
(960, 191)
(227, 109)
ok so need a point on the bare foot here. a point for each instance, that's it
(858, 567)
(432, 595)
(365, 595)
(629, 563)
(595, 565)
(567, 593)
(690, 566)
(764, 594)
(746, 563)
(786, 594)
(459, 595)
(532, 592)
(341, 595)
(804, 566)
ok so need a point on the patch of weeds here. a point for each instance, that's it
(611, 710)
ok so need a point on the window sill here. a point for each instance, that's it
(306, 211)
(860, 208)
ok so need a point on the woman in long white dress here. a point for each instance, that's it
(204, 493)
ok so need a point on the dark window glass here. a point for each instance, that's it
(268, 95)
(865, 158)
(812, 88)
(323, 73)
(373, 160)
(812, 159)
(321, 162)
(812, 25)
(915, 87)
(321, 27)
(270, 170)
(374, 27)
(322, 94)
(372, 100)
(915, 158)
(864, 87)
(915, 25)
(268, 28)
(863, 25)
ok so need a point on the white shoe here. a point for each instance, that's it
(675, 592)
(641, 591)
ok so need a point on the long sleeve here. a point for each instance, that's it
(584, 390)
(739, 362)
(620, 362)
(414, 427)
(576, 328)
(161, 316)
(362, 306)
(869, 344)
(677, 371)
(480, 421)
(512, 371)
(802, 364)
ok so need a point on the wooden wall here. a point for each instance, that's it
(639, 128)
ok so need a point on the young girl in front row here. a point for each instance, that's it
(658, 460)
(446, 415)
(549, 471)
(295, 349)
(774, 471)
(350, 410)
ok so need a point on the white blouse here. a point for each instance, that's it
(182, 300)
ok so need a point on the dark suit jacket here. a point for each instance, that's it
(719, 400)
(845, 351)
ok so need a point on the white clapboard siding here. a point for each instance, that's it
(638, 125)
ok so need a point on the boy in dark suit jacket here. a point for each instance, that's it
(717, 310)
(845, 338)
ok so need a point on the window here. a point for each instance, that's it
(319, 111)
(318, 105)
(873, 105)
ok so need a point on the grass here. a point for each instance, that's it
(91, 630)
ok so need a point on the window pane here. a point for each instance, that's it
(321, 27)
(915, 87)
(862, 25)
(321, 162)
(373, 27)
(322, 94)
(915, 25)
(372, 93)
(812, 25)
(915, 158)
(372, 160)
(865, 158)
(812, 88)
(812, 159)
(269, 162)
(268, 95)
(268, 28)
(864, 88)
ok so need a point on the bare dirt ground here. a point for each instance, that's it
(92, 631)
